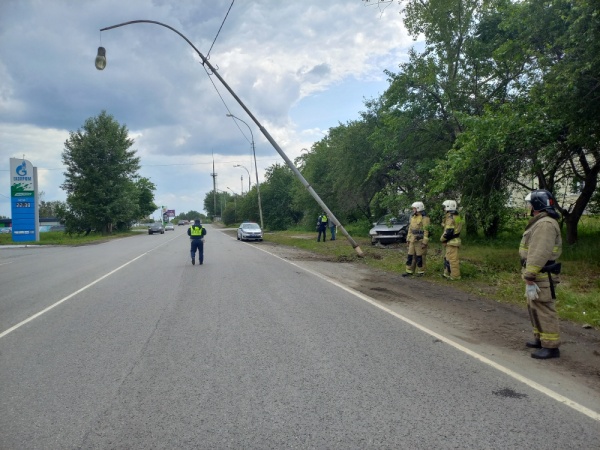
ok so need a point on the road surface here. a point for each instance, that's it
(125, 344)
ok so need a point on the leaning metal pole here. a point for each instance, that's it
(265, 133)
(262, 226)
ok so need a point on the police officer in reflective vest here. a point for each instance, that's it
(540, 247)
(417, 239)
(452, 224)
(196, 233)
(322, 221)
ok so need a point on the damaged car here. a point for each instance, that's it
(390, 229)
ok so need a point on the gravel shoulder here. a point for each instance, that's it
(494, 330)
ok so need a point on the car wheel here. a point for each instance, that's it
(373, 241)
(238, 237)
(162, 232)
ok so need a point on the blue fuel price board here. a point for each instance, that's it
(23, 195)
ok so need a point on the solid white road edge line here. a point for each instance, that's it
(38, 314)
(543, 389)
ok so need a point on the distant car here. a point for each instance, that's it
(156, 228)
(249, 231)
(6, 230)
(182, 222)
(389, 230)
(169, 227)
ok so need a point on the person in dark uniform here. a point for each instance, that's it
(196, 233)
(322, 222)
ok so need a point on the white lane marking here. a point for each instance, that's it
(543, 389)
(4, 264)
(38, 314)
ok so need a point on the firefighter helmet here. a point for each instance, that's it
(419, 206)
(449, 205)
(541, 200)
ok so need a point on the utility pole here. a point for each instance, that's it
(214, 176)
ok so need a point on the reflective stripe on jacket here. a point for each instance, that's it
(452, 224)
(418, 228)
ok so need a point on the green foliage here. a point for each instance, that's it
(215, 203)
(104, 191)
(50, 209)
(503, 98)
(229, 214)
(277, 200)
(63, 238)
(489, 267)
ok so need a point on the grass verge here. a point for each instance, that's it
(61, 238)
(488, 268)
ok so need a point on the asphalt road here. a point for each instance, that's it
(127, 345)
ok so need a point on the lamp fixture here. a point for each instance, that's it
(101, 58)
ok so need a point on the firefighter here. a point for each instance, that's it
(452, 225)
(540, 247)
(196, 233)
(417, 240)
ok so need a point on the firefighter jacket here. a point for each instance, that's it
(541, 245)
(418, 229)
(452, 225)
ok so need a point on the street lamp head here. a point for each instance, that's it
(101, 58)
(229, 115)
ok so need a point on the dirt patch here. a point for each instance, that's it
(471, 318)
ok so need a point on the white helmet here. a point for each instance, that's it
(419, 206)
(449, 205)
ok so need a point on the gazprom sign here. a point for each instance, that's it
(23, 198)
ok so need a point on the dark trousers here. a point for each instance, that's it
(197, 244)
(324, 231)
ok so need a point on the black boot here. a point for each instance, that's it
(534, 343)
(193, 261)
(546, 353)
(406, 274)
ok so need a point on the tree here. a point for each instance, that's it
(222, 198)
(276, 195)
(103, 188)
(145, 194)
(547, 130)
(454, 78)
(50, 209)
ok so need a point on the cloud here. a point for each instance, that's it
(288, 62)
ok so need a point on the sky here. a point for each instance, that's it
(300, 67)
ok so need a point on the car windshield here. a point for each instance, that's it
(386, 220)
(250, 226)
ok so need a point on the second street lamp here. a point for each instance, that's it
(101, 64)
(255, 169)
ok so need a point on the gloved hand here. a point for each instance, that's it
(532, 291)
(202, 240)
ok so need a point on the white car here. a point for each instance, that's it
(249, 231)
(169, 227)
